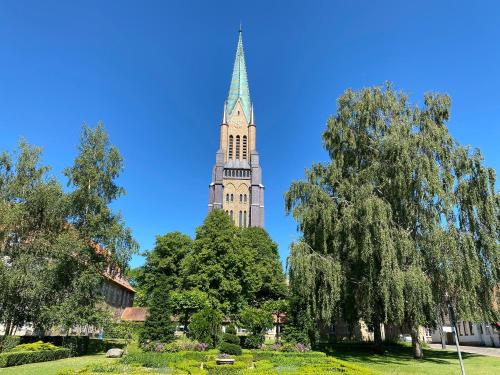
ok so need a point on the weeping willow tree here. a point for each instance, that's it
(401, 220)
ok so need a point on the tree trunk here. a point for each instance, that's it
(443, 338)
(416, 344)
(377, 338)
(7, 327)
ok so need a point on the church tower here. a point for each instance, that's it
(236, 185)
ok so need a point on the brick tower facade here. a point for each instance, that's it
(236, 185)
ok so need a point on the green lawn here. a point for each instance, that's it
(51, 368)
(399, 361)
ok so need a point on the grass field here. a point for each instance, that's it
(398, 361)
(51, 368)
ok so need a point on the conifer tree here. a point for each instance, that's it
(158, 325)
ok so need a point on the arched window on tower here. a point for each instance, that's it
(244, 147)
(237, 147)
(231, 214)
(230, 147)
(241, 198)
(245, 198)
(240, 219)
(232, 197)
(245, 219)
(227, 197)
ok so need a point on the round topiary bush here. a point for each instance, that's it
(231, 349)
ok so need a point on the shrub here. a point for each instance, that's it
(34, 347)
(205, 326)
(228, 348)
(20, 358)
(231, 329)
(123, 330)
(232, 339)
(8, 342)
(253, 341)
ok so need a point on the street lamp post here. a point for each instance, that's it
(454, 329)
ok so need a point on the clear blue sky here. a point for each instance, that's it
(157, 74)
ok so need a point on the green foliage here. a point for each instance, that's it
(206, 325)
(8, 342)
(256, 320)
(93, 176)
(52, 273)
(163, 266)
(234, 266)
(294, 335)
(258, 362)
(34, 346)
(230, 343)
(122, 330)
(186, 302)
(231, 329)
(253, 341)
(228, 348)
(230, 338)
(158, 325)
(23, 357)
(400, 217)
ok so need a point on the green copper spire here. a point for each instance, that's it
(239, 82)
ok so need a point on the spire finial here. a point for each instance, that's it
(241, 28)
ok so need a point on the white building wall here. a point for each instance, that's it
(482, 334)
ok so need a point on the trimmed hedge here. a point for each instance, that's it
(20, 358)
(79, 345)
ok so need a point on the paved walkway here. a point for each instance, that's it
(482, 350)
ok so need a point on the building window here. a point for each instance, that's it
(237, 147)
(459, 330)
(481, 329)
(245, 198)
(241, 198)
(231, 214)
(245, 219)
(465, 329)
(232, 197)
(239, 220)
(244, 147)
(230, 147)
(227, 197)
(470, 329)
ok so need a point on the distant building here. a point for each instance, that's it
(469, 333)
(236, 185)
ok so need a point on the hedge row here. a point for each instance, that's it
(20, 358)
(79, 345)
